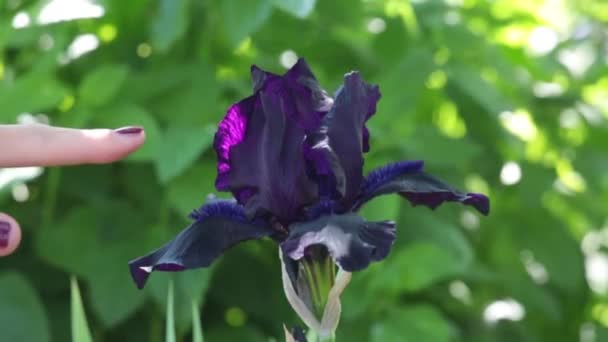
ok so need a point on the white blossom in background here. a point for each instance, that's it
(506, 309)
(81, 45)
(510, 174)
(542, 40)
(21, 20)
(54, 11)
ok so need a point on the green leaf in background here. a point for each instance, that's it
(101, 85)
(297, 8)
(479, 89)
(413, 323)
(242, 18)
(88, 240)
(414, 268)
(22, 315)
(16, 97)
(192, 188)
(80, 327)
(171, 23)
(426, 143)
(197, 329)
(399, 94)
(187, 287)
(106, 287)
(130, 114)
(179, 149)
(193, 103)
(426, 226)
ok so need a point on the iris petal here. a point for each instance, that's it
(260, 143)
(343, 136)
(218, 226)
(408, 180)
(351, 241)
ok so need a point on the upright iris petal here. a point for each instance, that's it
(259, 143)
(342, 138)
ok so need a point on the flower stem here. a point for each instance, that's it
(312, 336)
(319, 272)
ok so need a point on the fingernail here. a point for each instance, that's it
(5, 230)
(129, 130)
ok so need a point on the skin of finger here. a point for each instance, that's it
(14, 237)
(41, 145)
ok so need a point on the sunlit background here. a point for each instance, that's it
(503, 97)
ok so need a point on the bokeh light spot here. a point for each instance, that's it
(507, 309)
(376, 25)
(107, 32)
(510, 174)
(288, 58)
(144, 50)
(236, 317)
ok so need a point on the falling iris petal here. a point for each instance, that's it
(217, 226)
(408, 180)
(351, 241)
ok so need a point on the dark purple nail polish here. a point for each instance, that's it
(5, 229)
(129, 130)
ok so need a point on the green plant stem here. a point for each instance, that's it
(51, 188)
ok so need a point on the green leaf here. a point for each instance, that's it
(195, 103)
(426, 143)
(242, 18)
(413, 323)
(102, 85)
(399, 95)
(191, 189)
(479, 89)
(170, 320)
(156, 82)
(130, 114)
(80, 327)
(107, 286)
(425, 226)
(297, 8)
(30, 93)
(22, 315)
(197, 329)
(414, 268)
(179, 149)
(96, 243)
(187, 287)
(170, 24)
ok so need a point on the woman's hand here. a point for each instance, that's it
(41, 145)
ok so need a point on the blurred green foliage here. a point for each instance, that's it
(502, 97)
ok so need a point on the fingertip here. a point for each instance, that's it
(114, 145)
(10, 235)
(134, 136)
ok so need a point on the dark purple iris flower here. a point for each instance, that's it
(292, 156)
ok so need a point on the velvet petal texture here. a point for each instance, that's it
(408, 180)
(340, 141)
(259, 143)
(351, 241)
(217, 226)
